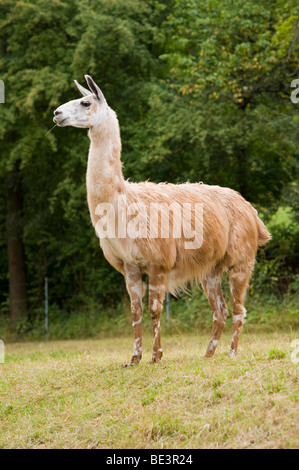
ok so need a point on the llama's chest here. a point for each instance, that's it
(126, 250)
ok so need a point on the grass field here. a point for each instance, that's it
(75, 394)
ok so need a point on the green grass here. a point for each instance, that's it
(75, 394)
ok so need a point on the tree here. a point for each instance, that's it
(201, 90)
(45, 45)
(15, 248)
(224, 106)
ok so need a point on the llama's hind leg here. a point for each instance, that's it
(135, 289)
(239, 277)
(212, 288)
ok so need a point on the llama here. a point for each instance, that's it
(230, 233)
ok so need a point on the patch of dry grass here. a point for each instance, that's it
(74, 394)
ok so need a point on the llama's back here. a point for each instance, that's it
(222, 206)
(232, 230)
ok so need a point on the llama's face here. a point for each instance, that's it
(85, 112)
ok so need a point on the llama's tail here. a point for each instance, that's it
(263, 235)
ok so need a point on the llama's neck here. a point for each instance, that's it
(104, 178)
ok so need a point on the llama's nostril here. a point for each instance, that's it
(57, 112)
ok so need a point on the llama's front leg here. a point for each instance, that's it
(135, 287)
(157, 290)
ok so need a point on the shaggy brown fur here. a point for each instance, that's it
(229, 239)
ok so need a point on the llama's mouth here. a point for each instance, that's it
(59, 123)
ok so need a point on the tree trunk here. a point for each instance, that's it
(16, 262)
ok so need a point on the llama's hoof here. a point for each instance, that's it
(156, 360)
(232, 353)
(209, 353)
(133, 362)
(157, 356)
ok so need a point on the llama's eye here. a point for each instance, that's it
(86, 104)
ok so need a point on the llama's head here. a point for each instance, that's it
(86, 112)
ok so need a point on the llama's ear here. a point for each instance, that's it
(82, 90)
(94, 88)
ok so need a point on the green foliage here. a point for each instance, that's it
(202, 92)
(223, 110)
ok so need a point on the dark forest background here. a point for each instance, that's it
(202, 90)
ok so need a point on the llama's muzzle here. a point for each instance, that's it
(58, 118)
